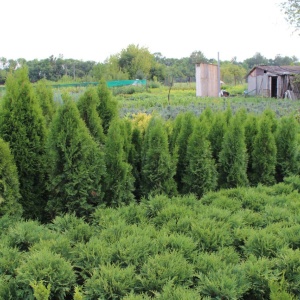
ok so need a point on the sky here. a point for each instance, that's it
(95, 29)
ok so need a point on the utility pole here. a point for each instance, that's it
(219, 77)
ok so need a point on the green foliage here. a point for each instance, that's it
(119, 181)
(263, 244)
(75, 163)
(278, 291)
(211, 235)
(107, 107)
(87, 106)
(264, 152)
(23, 126)
(287, 148)
(10, 259)
(200, 174)
(259, 272)
(49, 268)
(251, 129)
(9, 183)
(45, 97)
(135, 160)
(78, 294)
(216, 134)
(288, 264)
(219, 280)
(24, 234)
(186, 129)
(291, 10)
(8, 288)
(74, 228)
(110, 282)
(233, 156)
(158, 168)
(175, 292)
(40, 291)
(161, 268)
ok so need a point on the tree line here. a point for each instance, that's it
(134, 62)
(76, 156)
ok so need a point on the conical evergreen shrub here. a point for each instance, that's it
(9, 183)
(119, 179)
(287, 147)
(201, 173)
(23, 126)
(233, 156)
(44, 94)
(264, 153)
(158, 168)
(135, 159)
(107, 107)
(251, 129)
(181, 145)
(87, 106)
(76, 164)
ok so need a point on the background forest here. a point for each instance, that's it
(135, 62)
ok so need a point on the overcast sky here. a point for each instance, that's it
(96, 29)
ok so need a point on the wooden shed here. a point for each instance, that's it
(273, 81)
(207, 80)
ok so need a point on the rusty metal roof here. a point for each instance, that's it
(278, 70)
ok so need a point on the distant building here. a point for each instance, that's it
(273, 81)
(207, 80)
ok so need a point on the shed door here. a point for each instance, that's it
(274, 86)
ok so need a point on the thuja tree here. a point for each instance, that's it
(158, 168)
(176, 127)
(201, 174)
(251, 129)
(181, 145)
(126, 132)
(23, 126)
(107, 107)
(119, 179)
(45, 97)
(135, 159)
(9, 183)
(233, 156)
(287, 148)
(76, 164)
(87, 106)
(216, 134)
(264, 153)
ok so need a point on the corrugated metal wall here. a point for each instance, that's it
(207, 80)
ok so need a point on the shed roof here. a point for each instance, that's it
(277, 70)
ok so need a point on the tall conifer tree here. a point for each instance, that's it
(107, 107)
(158, 168)
(287, 148)
(22, 125)
(201, 174)
(135, 159)
(119, 181)
(9, 183)
(76, 164)
(87, 106)
(264, 153)
(181, 144)
(251, 129)
(233, 156)
(45, 98)
(216, 134)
